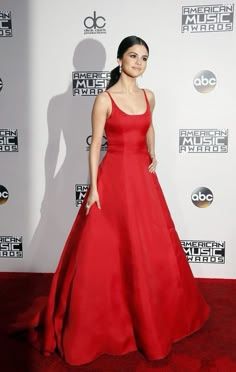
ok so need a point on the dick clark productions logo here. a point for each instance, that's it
(95, 24)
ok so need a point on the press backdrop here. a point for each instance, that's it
(55, 58)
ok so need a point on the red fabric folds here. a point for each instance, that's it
(123, 282)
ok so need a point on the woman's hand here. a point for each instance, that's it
(92, 198)
(152, 166)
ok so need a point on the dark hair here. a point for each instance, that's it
(125, 44)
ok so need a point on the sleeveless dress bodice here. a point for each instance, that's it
(127, 132)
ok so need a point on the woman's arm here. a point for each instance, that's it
(98, 118)
(150, 135)
(151, 141)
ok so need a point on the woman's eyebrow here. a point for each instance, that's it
(144, 55)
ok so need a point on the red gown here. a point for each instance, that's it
(123, 282)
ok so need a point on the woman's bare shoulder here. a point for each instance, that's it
(102, 105)
(150, 96)
(102, 99)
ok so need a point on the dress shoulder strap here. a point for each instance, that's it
(108, 94)
(145, 95)
(147, 100)
(142, 89)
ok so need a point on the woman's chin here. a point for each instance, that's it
(133, 74)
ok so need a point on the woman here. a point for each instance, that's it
(132, 62)
(123, 282)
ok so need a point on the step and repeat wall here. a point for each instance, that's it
(55, 58)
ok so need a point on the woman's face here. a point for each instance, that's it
(134, 60)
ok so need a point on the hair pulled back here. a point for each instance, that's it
(125, 44)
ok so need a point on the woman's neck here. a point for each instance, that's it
(127, 84)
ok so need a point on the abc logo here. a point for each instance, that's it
(94, 22)
(3, 194)
(202, 197)
(204, 81)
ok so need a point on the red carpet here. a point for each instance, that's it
(212, 349)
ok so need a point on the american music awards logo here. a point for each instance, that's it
(103, 145)
(5, 23)
(204, 251)
(94, 24)
(11, 247)
(207, 18)
(89, 83)
(8, 140)
(203, 140)
(80, 192)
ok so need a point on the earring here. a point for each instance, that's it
(120, 69)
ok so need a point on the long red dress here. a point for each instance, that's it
(123, 282)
